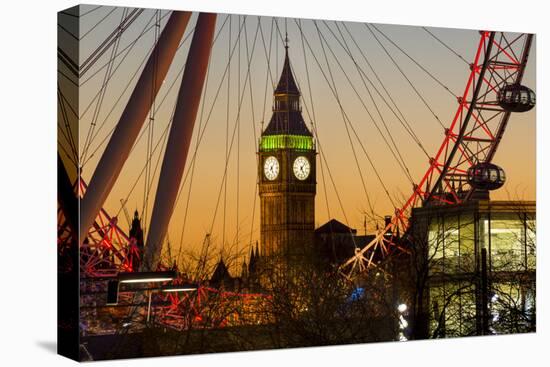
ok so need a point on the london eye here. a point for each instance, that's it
(131, 152)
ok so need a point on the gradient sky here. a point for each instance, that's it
(516, 153)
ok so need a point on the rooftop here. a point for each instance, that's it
(287, 116)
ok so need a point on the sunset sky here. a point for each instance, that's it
(516, 153)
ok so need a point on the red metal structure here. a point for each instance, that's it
(107, 251)
(473, 137)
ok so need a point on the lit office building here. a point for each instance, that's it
(480, 262)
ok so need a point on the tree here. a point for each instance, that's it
(313, 305)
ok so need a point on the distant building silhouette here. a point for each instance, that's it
(136, 233)
(335, 242)
(221, 278)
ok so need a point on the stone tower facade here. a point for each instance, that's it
(287, 177)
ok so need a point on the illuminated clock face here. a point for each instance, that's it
(271, 168)
(301, 168)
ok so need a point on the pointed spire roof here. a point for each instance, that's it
(335, 226)
(287, 84)
(221, 273)
(254, 256)
(244, 269)
(287, 115)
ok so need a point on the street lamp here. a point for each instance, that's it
(113, 286)
(147, 276)
(403, 324)
(179, 288)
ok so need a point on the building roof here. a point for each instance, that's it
(482, 206)
(287, 123)
(335, 242)
(334, 226)
(221, 274)
(287, 84)
(288, 120)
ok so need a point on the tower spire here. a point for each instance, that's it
(287, 115)
(287, 85)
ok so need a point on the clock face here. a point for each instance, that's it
(301, 168)
(271, 168)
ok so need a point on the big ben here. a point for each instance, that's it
(286, 171)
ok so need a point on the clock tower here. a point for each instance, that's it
(286, 171)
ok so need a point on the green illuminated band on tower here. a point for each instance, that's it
(300, 142)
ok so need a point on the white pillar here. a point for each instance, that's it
(179, 139)
(131, 121)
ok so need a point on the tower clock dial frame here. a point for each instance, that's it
(271, 168)
(301, 168)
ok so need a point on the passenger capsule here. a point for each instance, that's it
(486, 176)
(516, 98)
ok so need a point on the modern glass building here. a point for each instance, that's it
(480, 261)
